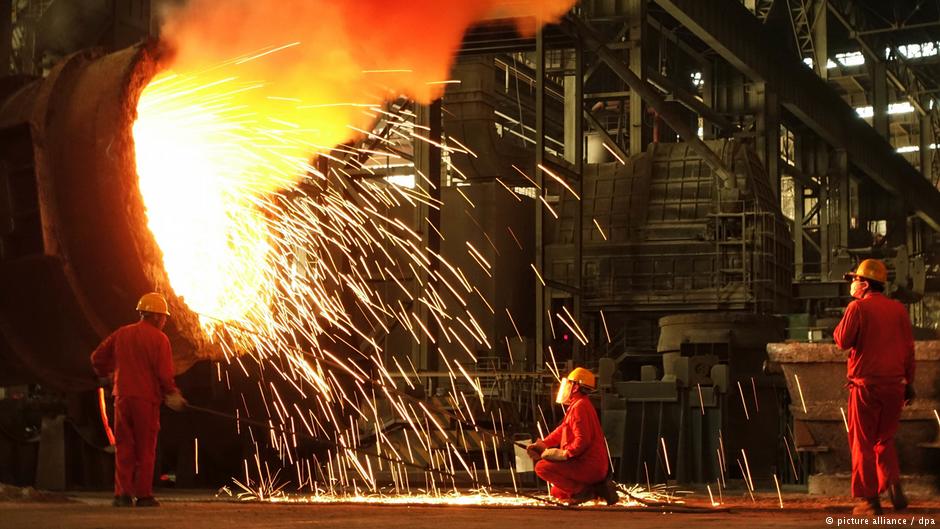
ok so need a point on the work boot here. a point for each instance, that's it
(607, 490)
(584, 495)
(122, 501)
(867, 507)
(898, 498)
(149, 501)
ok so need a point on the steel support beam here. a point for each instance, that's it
(799, 210)
(925, 139)
(899, 73)
(879, 99)
(690, 101)
(540, 290)
(579, 188)
(6, 36)
(732, 31)
(652, 96)
(636, 21)
(820, 30)
(839, 189)
(428, 162)
(767, 132)
(605, 136)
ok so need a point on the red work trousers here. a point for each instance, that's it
(136, 423)
(874, 417)
(568, 477)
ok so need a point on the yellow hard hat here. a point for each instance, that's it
(583, 376)
(153, 302)
(872, 269)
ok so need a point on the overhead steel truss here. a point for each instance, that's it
(739, 37)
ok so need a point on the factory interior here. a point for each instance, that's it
(390, 235)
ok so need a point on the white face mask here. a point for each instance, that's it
(857, 289)
(564, 391)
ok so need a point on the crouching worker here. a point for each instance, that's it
(139, 358)
(573, 458)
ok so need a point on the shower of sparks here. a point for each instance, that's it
(786, 443)
(560, 180)
(754, 390)
(665, 455)
(743, 402)
(280, 257)
(600, 230)
(779, 495)
(614, 154)
(255, 239)
(800, 390)
(539, 277)
(750, 480)
(722, 456)
(606, 332)
(701, 400)
(711, 498)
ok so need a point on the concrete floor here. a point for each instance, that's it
(199, 511)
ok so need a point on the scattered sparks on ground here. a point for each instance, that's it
(630, 497)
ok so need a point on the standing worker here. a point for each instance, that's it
(139, 357)
(881, 381)
(573, 458)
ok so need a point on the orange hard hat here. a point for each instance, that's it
(153, 302)
(579, 376)
(872, 269)
(583, 376)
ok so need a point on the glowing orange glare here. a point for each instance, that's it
(201, 169)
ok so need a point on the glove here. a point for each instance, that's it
(909, 394)
(555, 454)
(534, 450)
(175, 401)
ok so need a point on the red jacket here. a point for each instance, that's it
(581, 435)
(878, 332)
(139, 355)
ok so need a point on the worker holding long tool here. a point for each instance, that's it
(573, 458)
(139, 358)
(881, 381)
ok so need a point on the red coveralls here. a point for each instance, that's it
(139, 355)
(581, 435)
(881, 361)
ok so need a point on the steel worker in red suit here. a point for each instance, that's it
(877, 330)
(141, 362)
(573, 458)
